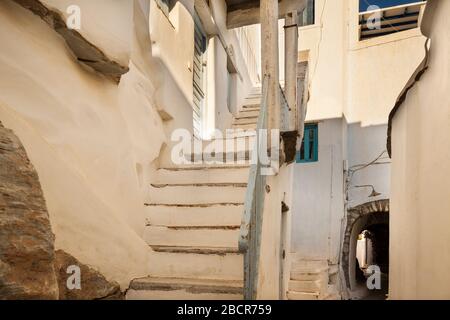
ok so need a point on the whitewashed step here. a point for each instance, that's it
(309, 275)
(199, 166)
(253, 100)
(243, 121)
(196, 262)
(224, 144)
(220, 157)
(251, 106)
(310, 286)
(253, 116)
(222, 237)
(207, 215)
(184, 289)
(256, 90)
(248, 113)
(245, 126)
(196, 194)
(201, 175)
(239, 133)
(293, 295)
(308, 265)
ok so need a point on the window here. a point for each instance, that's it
(309, 151)
(308, 15)
(383, 17)
(365, 4)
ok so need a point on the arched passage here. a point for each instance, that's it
(371, 221)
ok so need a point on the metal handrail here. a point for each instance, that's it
(251, 225)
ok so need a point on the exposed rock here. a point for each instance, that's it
(93, 285)
(290, 139)
(26, 239)
(85, 51)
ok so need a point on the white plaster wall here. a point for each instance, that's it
(319, 190)
(365, 144)
(318, 197)
(357, 82)
(358, 79)
(325, 42)
(92, 141)
(106, 23)
(420, 196)
(241, 82)
(95, 143)
(216, 114)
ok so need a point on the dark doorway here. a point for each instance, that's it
(365, 254)
(372, 250)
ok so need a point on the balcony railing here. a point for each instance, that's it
(381, 22)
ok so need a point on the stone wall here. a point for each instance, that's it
(26, 239)
(29, 266)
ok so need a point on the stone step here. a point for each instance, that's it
(253, 100)
(206, 215)
(310, 286)
(245, 126)
(256, 90)
(293, 295)
(196, 194)
(300, 264)
(201, 175)
(232, 143)
(204, 236)
(239, 133)
(219, 157)
(197, 262)
(204, 165)
(251, 106)
(248, 113)
(244, 121)
(184, 289)
(309, 275)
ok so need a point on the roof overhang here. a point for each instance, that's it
(242, 13)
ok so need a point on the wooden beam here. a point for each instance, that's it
(269, 61)
(212, 30)
(239, 16)
(290, 66)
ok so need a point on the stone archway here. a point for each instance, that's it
(359, 217)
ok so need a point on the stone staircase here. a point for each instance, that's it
(192, 224)
(310, 280)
